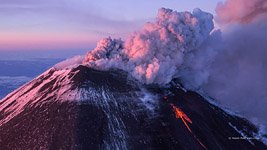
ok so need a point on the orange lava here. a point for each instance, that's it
(180, 114)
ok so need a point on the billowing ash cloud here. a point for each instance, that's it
(157, 52)
(240, 11)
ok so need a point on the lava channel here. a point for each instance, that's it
(179, 114)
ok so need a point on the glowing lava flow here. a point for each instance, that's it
(180, 114)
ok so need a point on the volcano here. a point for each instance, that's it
(83, 108)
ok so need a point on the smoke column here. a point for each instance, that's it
(156, 53)
(228, 64)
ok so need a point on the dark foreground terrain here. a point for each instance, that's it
(82, 108)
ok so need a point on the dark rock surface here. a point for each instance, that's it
(115, 117)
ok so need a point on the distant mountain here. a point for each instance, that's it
(82, 108)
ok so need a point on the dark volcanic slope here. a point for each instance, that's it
(88, 109)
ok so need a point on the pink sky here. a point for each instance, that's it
(71, 24)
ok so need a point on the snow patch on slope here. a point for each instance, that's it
(39, 89)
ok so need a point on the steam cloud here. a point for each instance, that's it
(228, 64)
(156, 53)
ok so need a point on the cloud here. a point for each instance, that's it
(156, 53)
(59, 17)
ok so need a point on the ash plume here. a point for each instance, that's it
(157, 52)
